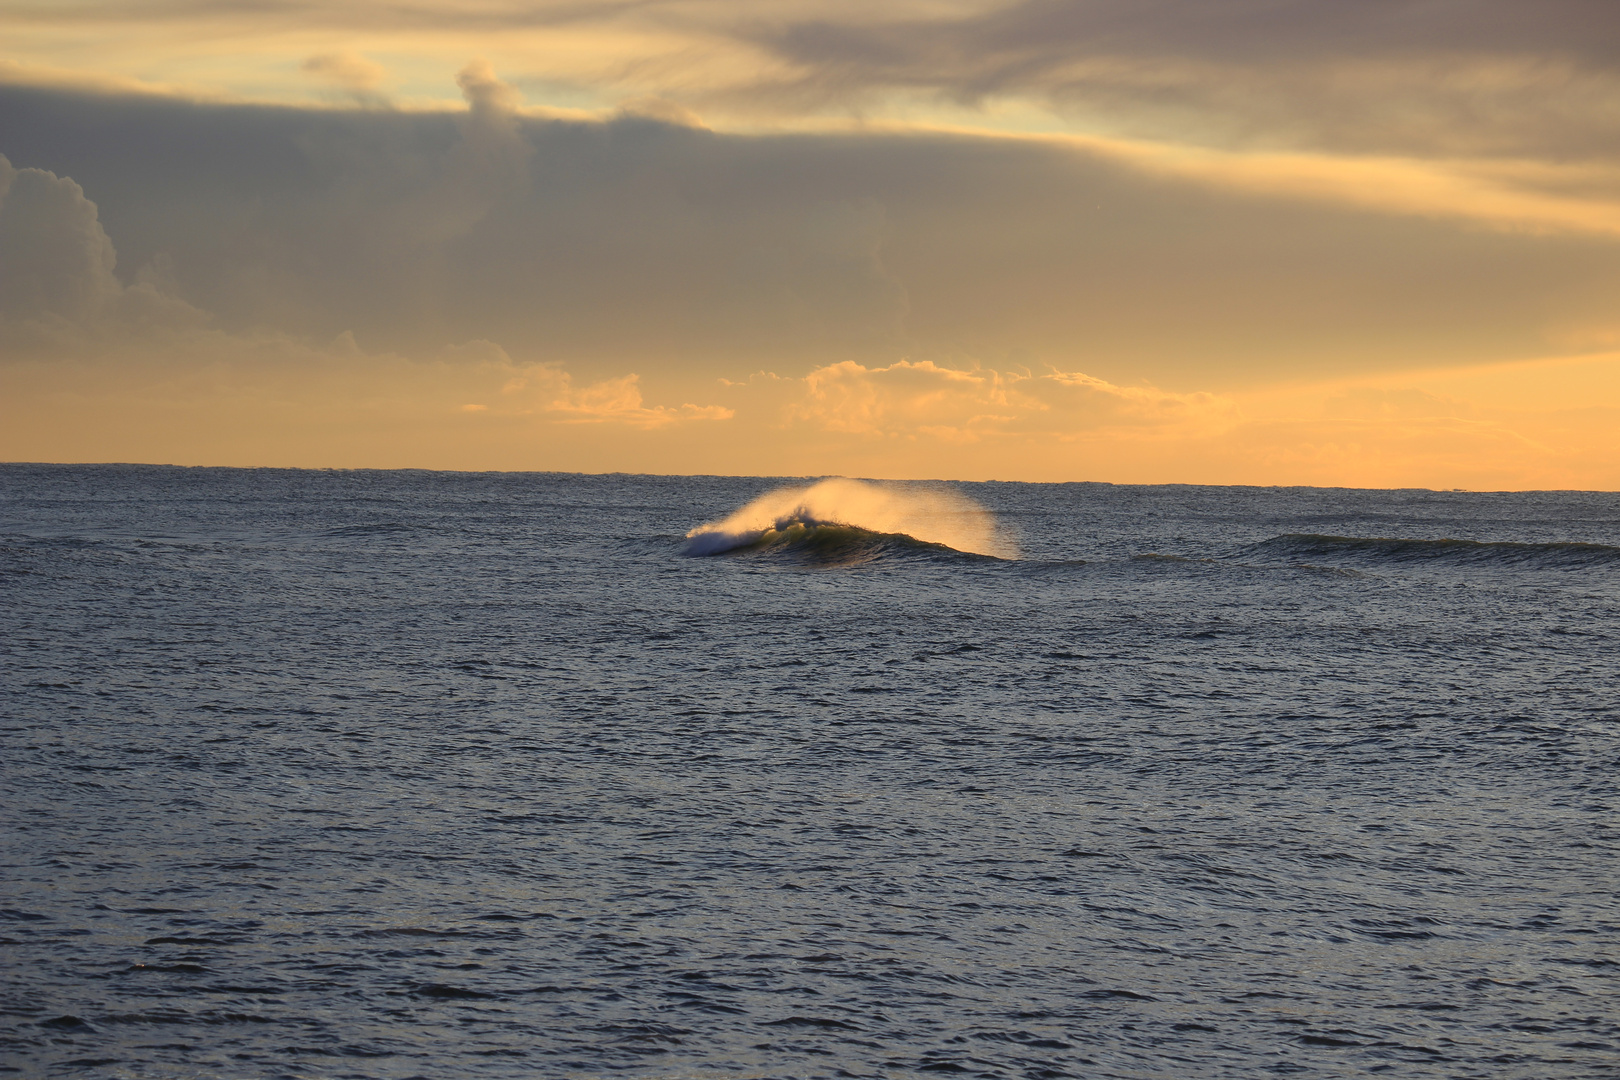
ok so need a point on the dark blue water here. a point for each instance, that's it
(404, 774)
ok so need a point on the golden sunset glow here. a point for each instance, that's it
(1289, 244)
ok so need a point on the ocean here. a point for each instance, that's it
(395, 774)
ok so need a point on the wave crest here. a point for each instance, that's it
(858, 516)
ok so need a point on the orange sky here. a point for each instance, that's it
(1157, 241)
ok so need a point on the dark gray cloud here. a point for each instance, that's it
(56, 262)
(58, 286)
(353, 15)
(682, 254)
(1023, 39)
(1428, 78)
(1416, 76)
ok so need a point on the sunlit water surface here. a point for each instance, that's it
(400, 774)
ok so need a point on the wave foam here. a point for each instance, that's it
(795, 515)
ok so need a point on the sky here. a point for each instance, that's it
(1140, 241)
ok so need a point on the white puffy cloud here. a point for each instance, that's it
(911, 399)
(551, 392)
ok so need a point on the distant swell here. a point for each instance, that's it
(1552, 556)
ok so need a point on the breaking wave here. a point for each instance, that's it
(854, 521)
(1551, 556)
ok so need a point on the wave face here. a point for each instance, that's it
(841, 545)
(1546, 556)
(855, 521)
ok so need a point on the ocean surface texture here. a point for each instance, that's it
(408, 774)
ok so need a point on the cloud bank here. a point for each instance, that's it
(672, 249)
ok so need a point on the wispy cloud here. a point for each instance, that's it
(1385, 77)
(1514, 194)
(908, 399)
(356, 77)
(550, 392)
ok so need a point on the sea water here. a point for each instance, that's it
(414, 774)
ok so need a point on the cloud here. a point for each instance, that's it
(356, 76)
(663, 110)
(489, 98)
(1537, 424)
(57, 280)
(326, 286)
(1512, 196)
(63, 306)
(1473, 109)
(56, 261)
(1418, 78)
(631, 244)
(908, 399)
(549, 391)
(1384, 77)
